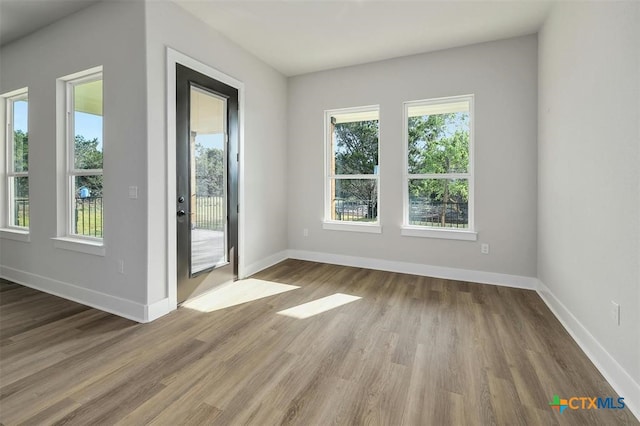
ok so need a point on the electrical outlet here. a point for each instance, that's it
(484, 248)
(121, 266)
(614, 312)
(305, 232)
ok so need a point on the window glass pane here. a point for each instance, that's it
(208, 153)
(355, 200)
(438, 143)
(87, 212)
(208, 171)
(19, 202)
(439, 202)
(87, 120)
(355, 145)
(20, 135)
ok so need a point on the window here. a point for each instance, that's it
(85, 145)
(17, 154)
(438, 184)
(352, 169)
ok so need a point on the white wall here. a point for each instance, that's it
(502, 75)
(589, 174)
(264, 153)
(109, 34)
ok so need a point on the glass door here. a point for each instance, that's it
(207, 182)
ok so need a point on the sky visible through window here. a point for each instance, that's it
(89, 126)
(20, 115)
(211, 140)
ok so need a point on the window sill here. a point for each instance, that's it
(95, 248)
(15, 234)
(446, 234)
(352, 227)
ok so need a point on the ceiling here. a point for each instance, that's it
(19, 18)
(301, 36)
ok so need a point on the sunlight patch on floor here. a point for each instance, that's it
(236, 293)
(318, 306)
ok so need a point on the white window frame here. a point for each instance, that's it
(67, 239)
(72, 172)
(10, 230)
(329, 175)
(469, 233)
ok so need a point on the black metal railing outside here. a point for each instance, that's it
(88, 217)
(356, 210)
(426, 212)
(21, 212)
(209, 213)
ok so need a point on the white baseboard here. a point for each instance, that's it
(105, 302)
(268, 261)
(157, 309)
(482, 277)
(613, 372)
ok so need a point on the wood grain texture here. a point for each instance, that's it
(411, 351)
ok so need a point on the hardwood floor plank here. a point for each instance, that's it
(417, 387)
(53, 413)
(509, 411)
(171, 396)
(203, 414)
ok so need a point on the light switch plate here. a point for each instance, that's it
(133, 192)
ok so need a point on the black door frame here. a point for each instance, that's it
(185, 79)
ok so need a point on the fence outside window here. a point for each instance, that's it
(21, 212)
(426, 212)
(356, 210)
(209, 213)
(88, 218)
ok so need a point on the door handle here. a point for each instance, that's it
(181, 213)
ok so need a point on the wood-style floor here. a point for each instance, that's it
(413, 350)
